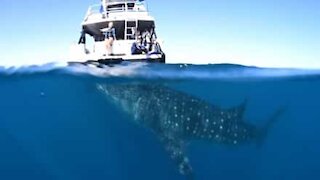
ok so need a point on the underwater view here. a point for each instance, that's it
(159, 121)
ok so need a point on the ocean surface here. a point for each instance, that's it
(55, 124)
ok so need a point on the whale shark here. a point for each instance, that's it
(177, 118)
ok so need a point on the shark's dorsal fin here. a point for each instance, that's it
(236, 113)
(175, 148)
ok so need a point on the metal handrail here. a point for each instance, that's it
(96, 8)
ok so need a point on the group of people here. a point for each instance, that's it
(145, 41)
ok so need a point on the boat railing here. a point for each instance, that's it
(114, 7)
(117, 9)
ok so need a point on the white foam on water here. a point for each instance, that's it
(129, 70)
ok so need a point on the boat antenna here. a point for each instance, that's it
(145, 4)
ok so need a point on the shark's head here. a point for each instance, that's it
(124, 95)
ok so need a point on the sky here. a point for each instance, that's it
(271, 33)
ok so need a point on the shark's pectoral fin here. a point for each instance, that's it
(175, 148)
(271, 121)
(274, 118)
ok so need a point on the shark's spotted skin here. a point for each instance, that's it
(177, 118)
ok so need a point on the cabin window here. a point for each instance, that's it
(145, 25)
(120, 6)
(131, 28)
(119, 26)
(116, 7)
(131, 23)
(130, 6)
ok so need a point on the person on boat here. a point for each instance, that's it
(153, 37)
(110, 36)
(138, 46)
(146, 40)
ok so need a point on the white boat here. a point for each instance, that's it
(135, 38)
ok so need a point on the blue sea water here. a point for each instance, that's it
(56, 125)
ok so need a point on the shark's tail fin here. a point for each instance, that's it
(266, 128)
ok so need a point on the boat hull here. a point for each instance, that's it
(117, 59)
